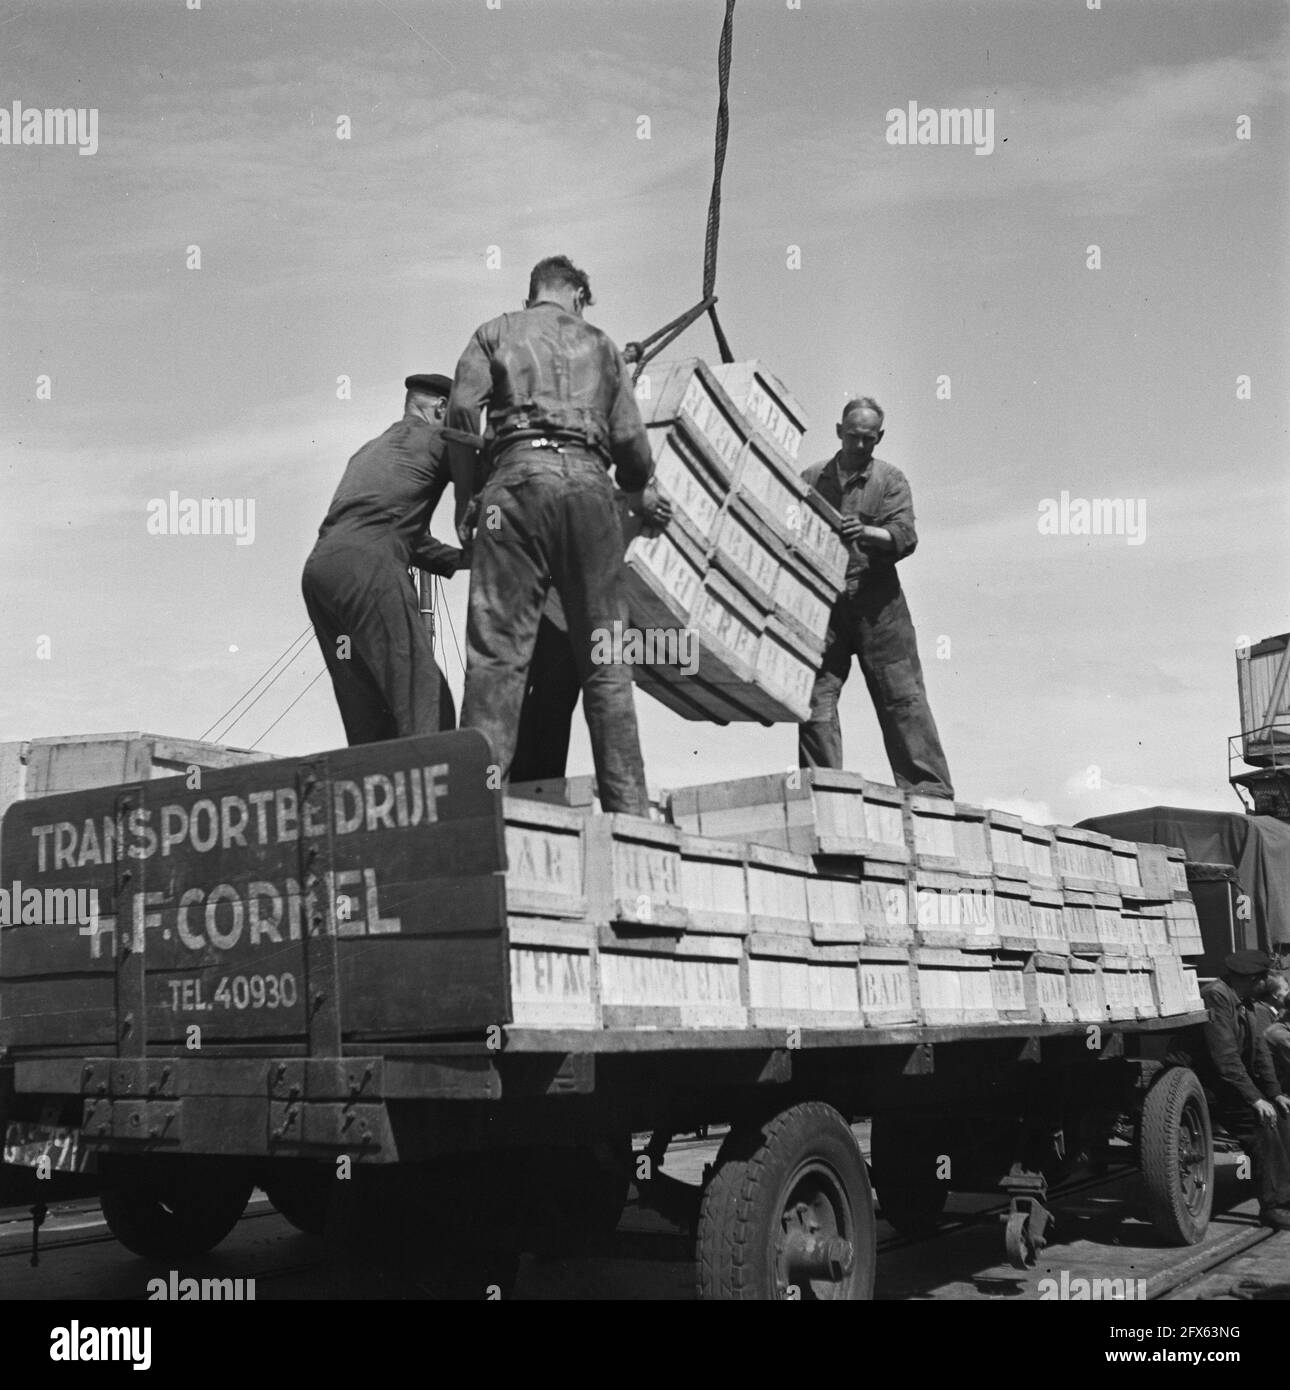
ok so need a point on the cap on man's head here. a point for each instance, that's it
(431, 383)
(1248, 963)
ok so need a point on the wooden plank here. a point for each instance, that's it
(803, 602)
(1037, 841)
(1084, 859)
(1008, 988)
(834, 908)
(1047, 912)
(1142, 987)
(1153, 871)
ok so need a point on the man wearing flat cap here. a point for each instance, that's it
(357, 587)
(1233, 1062)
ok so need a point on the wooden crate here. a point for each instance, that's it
(685, 475)
(1116, 988)
(1084, 859)
(1170, 985)
(545, 874)
(1047, 992)
(1008, 847)
(834, 908)
(1184, 927)
(748, 552)
(1111, 930)
(663, 580)
(1142, 986)
(633, 873)
(949, 835)
(713, 885)
(777, 900)
(694, 981)
(1177, 862)
(818, 542)
(553, 973)
(729, 627)
(687, 391)
(953, 909)
(1041, 863)
(786, 675)
(1047, 913)
(1153, 873)
(761, 397)
(1080, 924)
(833, 812)
(1124, 860)
(772, 488)
(1013, 915)
(694, 698)
(1084, 980)
(793, 983)
(748, 809)
(953, 986)
(1191, 990)
(803, 602)
(884, 896)
(886, 986)
(1147, 927)
(1008, 987)
(578, 792)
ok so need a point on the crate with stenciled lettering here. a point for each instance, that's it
(797, 983)
(953, 909)
(695, 980)
(1047, 990)
(953, 986)
(1084, 980)
(713, 885)
(545, 874)
(633, 874)
(553, 973)
(887, 994)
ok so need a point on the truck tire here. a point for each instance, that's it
(1176, 1155)
(302, 1194)
(179, 1214)
(788, 1213)
(906, 1150)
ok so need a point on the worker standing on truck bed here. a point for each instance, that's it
(1232, 1060)
(552, 688)
(360, 596)
(561, 411)
(871, 621)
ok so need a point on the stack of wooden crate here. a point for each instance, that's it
(820, 899)
(752, 561)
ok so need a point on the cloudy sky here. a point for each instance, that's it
(1070, 674)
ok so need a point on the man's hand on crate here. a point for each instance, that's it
(653, 508)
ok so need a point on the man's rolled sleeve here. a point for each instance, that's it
(471, 386)
(628, 442)
(898, 518)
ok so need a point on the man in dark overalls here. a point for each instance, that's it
(871, 621)
(561, 413)
(1230, 1056)
(360, 596)
(552, 689)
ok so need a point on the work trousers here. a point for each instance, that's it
(549, 518)
(385, 677)
(546, 716)
(876, 629)
(1268, 1147)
